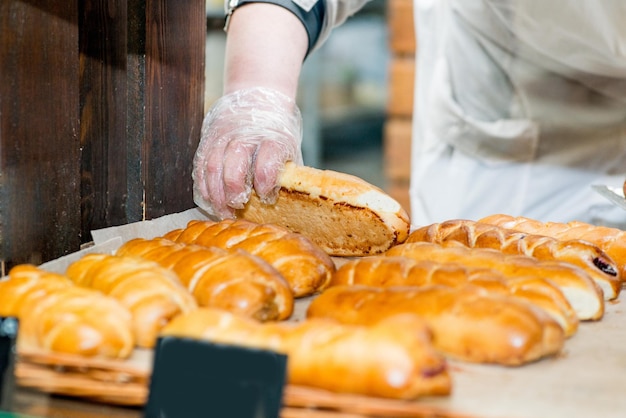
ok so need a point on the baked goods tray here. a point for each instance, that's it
(126, 383)
(586, 379)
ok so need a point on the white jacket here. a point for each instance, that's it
(520, 109)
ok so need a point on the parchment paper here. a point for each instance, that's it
(108, 240)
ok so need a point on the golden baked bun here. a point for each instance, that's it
(27, 281)
(388, 271)
(581, 291)
(393, 359)
(602, 269)
(58, 316)
(305, 266)
(153, 294)
(229, 279)
(467, 324)
(343, 214)
(611, 240)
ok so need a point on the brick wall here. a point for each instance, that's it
(397, 132)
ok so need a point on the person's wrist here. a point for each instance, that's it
(266, 45)
(247, 85)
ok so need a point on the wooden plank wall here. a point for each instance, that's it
(174, 102)
(101, 103)
(141, 106)
(39, 129)
(397, 130)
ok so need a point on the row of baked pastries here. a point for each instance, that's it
(160, 287)
(57, 315)
(473, 304)
(392, 358)
(104, 305)
(483, 303)
(478, 304)
(255, 271)
(490, 294)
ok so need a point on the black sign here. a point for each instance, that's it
(8, 337)
(193, 378)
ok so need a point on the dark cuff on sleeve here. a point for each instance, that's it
(312, 20)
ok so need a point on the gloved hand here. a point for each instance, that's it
(247, 137)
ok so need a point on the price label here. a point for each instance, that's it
(8, 338)
(193, 378)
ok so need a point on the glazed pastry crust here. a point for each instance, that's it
(393, 359)
(583, 254)
(58, 316)
(153, 294)
(388, 271)
(467, 324)
(305, 266)
(229, 279)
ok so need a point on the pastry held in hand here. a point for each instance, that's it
(611, 240)
(58, 316)
(602, 269)
(341, 213)
(583, 294)
(153, 294)
(392, 359)
(233, 280)
(388, 271)
(305, 266)
(467, 324)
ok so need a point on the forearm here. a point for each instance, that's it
(265, 47)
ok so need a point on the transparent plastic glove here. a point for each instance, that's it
(247, 137)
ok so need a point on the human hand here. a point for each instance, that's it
(247, 137)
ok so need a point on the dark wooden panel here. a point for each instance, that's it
(103, 118)
(142, 81)
(135, 118)
(39, 144)
(176, 33)
(101, 104)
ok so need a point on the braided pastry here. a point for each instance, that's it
(583, 294)
(393, 359)
(467, 323)
(233, 280)
(387, 271)
(58, 316)
(481, 235)
(152, 294)
(611, 240)
(305, 266)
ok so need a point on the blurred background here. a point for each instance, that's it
(344, 93)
